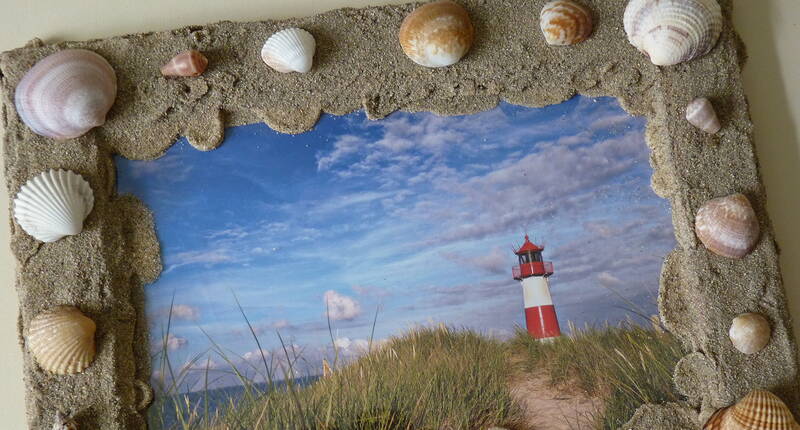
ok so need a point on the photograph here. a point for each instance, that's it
(492, 270)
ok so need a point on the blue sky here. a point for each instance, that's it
(415, 214)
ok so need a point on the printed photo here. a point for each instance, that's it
(495, 270)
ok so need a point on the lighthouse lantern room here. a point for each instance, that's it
(532, 272)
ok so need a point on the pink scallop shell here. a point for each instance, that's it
(66, 94)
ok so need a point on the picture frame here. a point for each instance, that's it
(360, 65)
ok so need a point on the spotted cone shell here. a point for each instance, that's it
(66, 94)
(62, 340)
(728, 226)
(290, 50)
(188, 63)
(53, 204)
(62, 422)
(759, 410)
(565, 22)
(670, 32)
(437, 34)
(701, 114)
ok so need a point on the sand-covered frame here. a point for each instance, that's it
(360, 65)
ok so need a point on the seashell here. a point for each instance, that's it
(728, 226)
(750, 333)
(54, 204)
(673, 31)
(701, 114)
(759, 410)
(290, 50)
(66, 94)
(187, 63)
(437, 34)
(565, 22)
(62, 340)
(62, 422)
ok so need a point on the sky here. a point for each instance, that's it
(413, 217)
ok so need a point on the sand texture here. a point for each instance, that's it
(359, 64)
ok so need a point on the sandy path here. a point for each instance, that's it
(548, 408)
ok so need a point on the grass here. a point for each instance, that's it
(626, 366)
(429, 378)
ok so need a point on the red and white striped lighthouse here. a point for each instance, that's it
(532, 272)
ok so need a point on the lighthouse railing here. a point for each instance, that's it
(534, 268)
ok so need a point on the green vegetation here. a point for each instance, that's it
(625, 366)
(430, 378)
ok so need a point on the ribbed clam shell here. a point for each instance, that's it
(187, 63)
(290, 50)
(437, 34)
(750, 333)
(759, 410)
(673, 31)
(701, 114)
(565, 22)
(53, 204)
(66, 94)
(62, 340)
(728, 226)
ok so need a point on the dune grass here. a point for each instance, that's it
(625, 366)
(429, 378)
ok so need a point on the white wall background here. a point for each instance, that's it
(770, 28)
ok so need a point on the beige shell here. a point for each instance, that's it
(565, 22)
(759, 410)
(66, 94)
(290, 50)
(750, 333)
(673, 31)
(701, 114)
(63, 422)
(728, 226)
(187, 63)
(62, 340)
(437, 34)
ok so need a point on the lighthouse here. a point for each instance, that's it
(532, 272)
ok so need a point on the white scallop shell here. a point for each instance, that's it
(54, 204)
(62, 340)
(66, 94)
(701, 114)
(750, 333)
(673, 31)
(290, 50)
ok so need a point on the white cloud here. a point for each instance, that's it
(205, 257)
(172, 342)
(341, 307)
(186, 312)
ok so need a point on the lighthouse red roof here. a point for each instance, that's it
(529, 246)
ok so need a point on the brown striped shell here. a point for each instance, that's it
(62, 340)
(565, 22)
(187, 63)
(728, 226)
(437, 34)
(759, 410)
